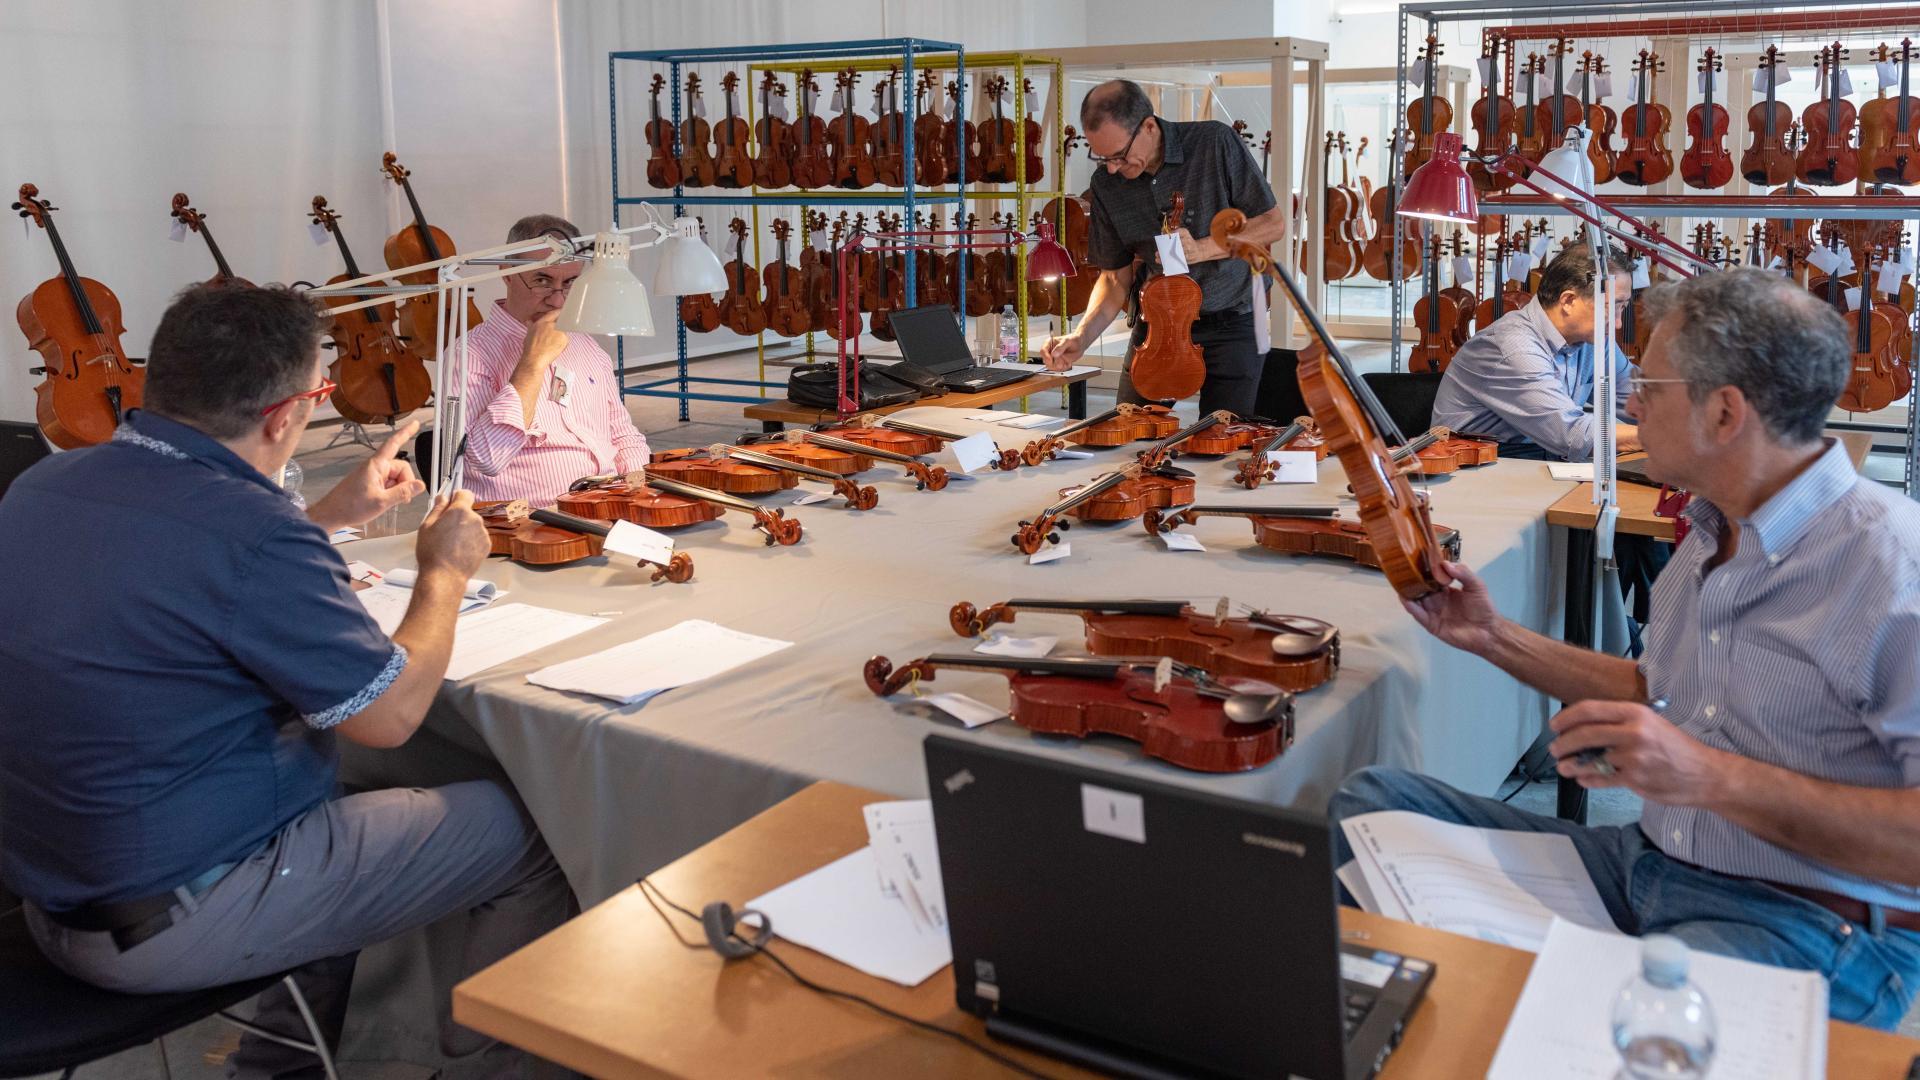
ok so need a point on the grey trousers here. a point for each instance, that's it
(345, 875)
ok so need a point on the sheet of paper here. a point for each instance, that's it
(638, 542)
(387, 604)
(344, 536)
(476, 589)
(1570, 470)
(1355, 880)
(499, 634)
(1497, 885)
(971, 712)
(812, 497)
(976, 451)
(1027, 421)
(1772, 1021)
(1051, 552)
(1179, 541)
(364, 573)
(836, 911)
(638, 669)
(1295, 466)
(1008, 645)
(1385, 903)
(1035, 369)
(1173, 258)
(901, 836)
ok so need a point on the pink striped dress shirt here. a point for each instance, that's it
(588, 434)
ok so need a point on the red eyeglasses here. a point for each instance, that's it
(327, 386)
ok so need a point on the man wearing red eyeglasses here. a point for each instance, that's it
(168, 791)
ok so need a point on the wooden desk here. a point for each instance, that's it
(616, 993)
(774, 415)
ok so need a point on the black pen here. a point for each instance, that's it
(1596, 756)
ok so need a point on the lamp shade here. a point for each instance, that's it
(687, 265)
(1440, 189)
(1048, 260)
(1565, 172)
(607, 298)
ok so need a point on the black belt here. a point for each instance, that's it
(134, 921)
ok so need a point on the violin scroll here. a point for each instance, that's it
(927, 477)
(678, 569)
(969, 621)
(1039, 532)
(780, 529)
(884, 681)
(858, 498)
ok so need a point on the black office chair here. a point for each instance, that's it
(51, 1021)
(1279, 396)
(1407, 396)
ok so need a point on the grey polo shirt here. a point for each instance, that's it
(1206, 162)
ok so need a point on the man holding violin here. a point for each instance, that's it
(1145, 161)
(547, 404)
(168, 792)
(1773, 725)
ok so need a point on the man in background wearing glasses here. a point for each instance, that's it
(186, 654)
(545, 407)
(1144, 161)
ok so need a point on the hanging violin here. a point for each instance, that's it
(1492, 120)
(698, 312)
(1436, 314)
(811, 166)
(1167, 365)
(732, 165)
(1874, 381)
(377, 379)
(740, 309)
(1560, 109)
(195, 221)
(549, 538)
(997, 138)
(1890, 131)
(663, 167)
(930, 166)
(1601, 119)
(773, 167)
(697, 167)
(888, 133)
(971, 273)
(1529, 134)
(1429, 114)
(1706, 164)
(1645, 160)
(1391, 235)
(661, 503)
(1072, 223)
(848, 139)
(1292, 652)
(1461, 293)
(74, 324)
(1340, 250)
(1031, 135)
(1509, 294)
(786, 300)
(1828, 158)
(883, 286)
(963, 141)
(1259, 466)
(1767, 159)
(412, 245)
(1183, 716)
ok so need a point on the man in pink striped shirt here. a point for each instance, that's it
(544, 406)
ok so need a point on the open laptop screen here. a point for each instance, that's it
(930, 337)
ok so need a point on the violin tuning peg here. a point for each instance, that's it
(1065, 525)
(1053, 538)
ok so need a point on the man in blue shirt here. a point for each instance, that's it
(1527, 379)
(185, 654)
(1773, 726)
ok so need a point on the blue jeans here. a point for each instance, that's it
(1871, 971)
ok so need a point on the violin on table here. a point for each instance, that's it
(1890, 131)
(1706, 164)
(1767, 160)
(1117, 426)
(195, 221)
(1438, 452)
(875, 430)
(661, 503)
(828, 450)
(1180, 714)
(1292, 652)
(1167, 365)
(379, 379)
(697, 310)
(848, 139)
(1829, 158)
(773, 167)
(1429, 114)
(811, 166)
(737, 470)
(1116, 496)
(1645, 160)
(732, 165)
(663, 166)
(1298, 530)
(1233, 434)
(740, 309)
(533, 537)
(412, 245)
(1259, 467)
(697, 167)
(74, 323)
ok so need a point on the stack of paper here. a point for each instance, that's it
(1493, 884)
(390, 593)
(1772, 1021)
(637, 670)
(882, 909)
(485, 639)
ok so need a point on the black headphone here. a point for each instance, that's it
(720, 922)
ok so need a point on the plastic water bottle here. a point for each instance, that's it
(1662, 1024)
(1009, 335)
(291, 479)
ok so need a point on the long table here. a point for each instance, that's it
(619, 792)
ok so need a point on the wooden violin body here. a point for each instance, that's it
(1645, 160)
(848, 140)
(548, 538)
(378, 379)
(1167, 365)
(1169, 718)
(669, 504)
(414, 244)
(1767, 159)
(811, 166)
(1258, 467)
(1133, 423)
(1246, 647)
(732, 164)
(785, 288)
(663, 166)
(1376, 257)
(1136, 496)
(1492, 120)
(773, 167)
(1706, 164)
(740, 309)
(1429, 114)
(1298, 531)
(701, 468)
(1829, 158)
(1890, 131)
(697, 167)
(848, 450)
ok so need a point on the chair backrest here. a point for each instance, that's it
(1407, 396)
(1279, 396)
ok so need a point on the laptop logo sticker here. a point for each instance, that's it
(957, 781)
(1119, 814)
(1293, 848)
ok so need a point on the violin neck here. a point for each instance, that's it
(88, 316)
(848, 446)
(768, 461)
(1083, 667)
(1236, 510)
(1082, 425)
(693, 491)
(420, 222)
(219, 260)
(568, 521)
(1205, 423)
(1098, 487)
(1103, 607)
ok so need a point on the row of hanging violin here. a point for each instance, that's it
(847, 151)
(1825, 150)
(1446, 317)
(89, 382)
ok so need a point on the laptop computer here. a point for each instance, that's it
(21, 446)
(929, 338)
(1150, 930)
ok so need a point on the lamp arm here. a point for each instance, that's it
(1647, 242)
(384, 291)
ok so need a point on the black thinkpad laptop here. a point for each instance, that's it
(20, 447)
(929, 337)
(1149, 930)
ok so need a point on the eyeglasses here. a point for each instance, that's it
(327, 386)
(544, 286)
(1637, 383)
(1109, 159)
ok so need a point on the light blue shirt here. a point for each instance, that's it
(1520, 379)
(1801, 651)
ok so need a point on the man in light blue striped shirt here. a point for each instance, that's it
(1782, 782)
(1526, 380)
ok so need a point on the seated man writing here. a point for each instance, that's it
(186, 656)
(1779, 759)
(1527, 379)
(546, 407)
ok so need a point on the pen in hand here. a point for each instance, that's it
(1596, 757)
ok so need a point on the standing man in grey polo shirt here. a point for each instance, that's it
(1147, 161)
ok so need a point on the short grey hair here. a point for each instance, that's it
(1783, 348)
(1573, 269)
(536, 225)
(1117, 101)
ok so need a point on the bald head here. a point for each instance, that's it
(1120, 102)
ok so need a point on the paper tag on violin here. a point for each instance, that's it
(813, 497)
(1846, 82)
(318, 232)
(839, 101)
(1031, 648)
(1853, 298)
(1463, 270)
(1782, 74)
(1700, 81)
(178, 234)
(1485, 66)
(1541, 245)
(1417, 72)
(976, 451)
(1889, 73)
(777, 108)
(1543, 86)
(1179, 541)
(697, 106)
(1051, 552)
(637, 542)
(1173, 258)
(1890, 277)
(963, 708)
(1825, 260)
(1033, 103)
(1642, 272)
(1602, 86)
(1295, 466)
(1517, 265)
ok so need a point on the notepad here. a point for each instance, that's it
(638, 669)
(1772, 1021)
(839, 910)
(488, 638)
(389, 594)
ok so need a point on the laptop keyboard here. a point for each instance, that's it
(1359, 1001)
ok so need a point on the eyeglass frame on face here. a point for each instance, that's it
(327, 386)
(549, 290)
(1121, 157)
(1637, 383)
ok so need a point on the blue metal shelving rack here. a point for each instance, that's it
(907, 198)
